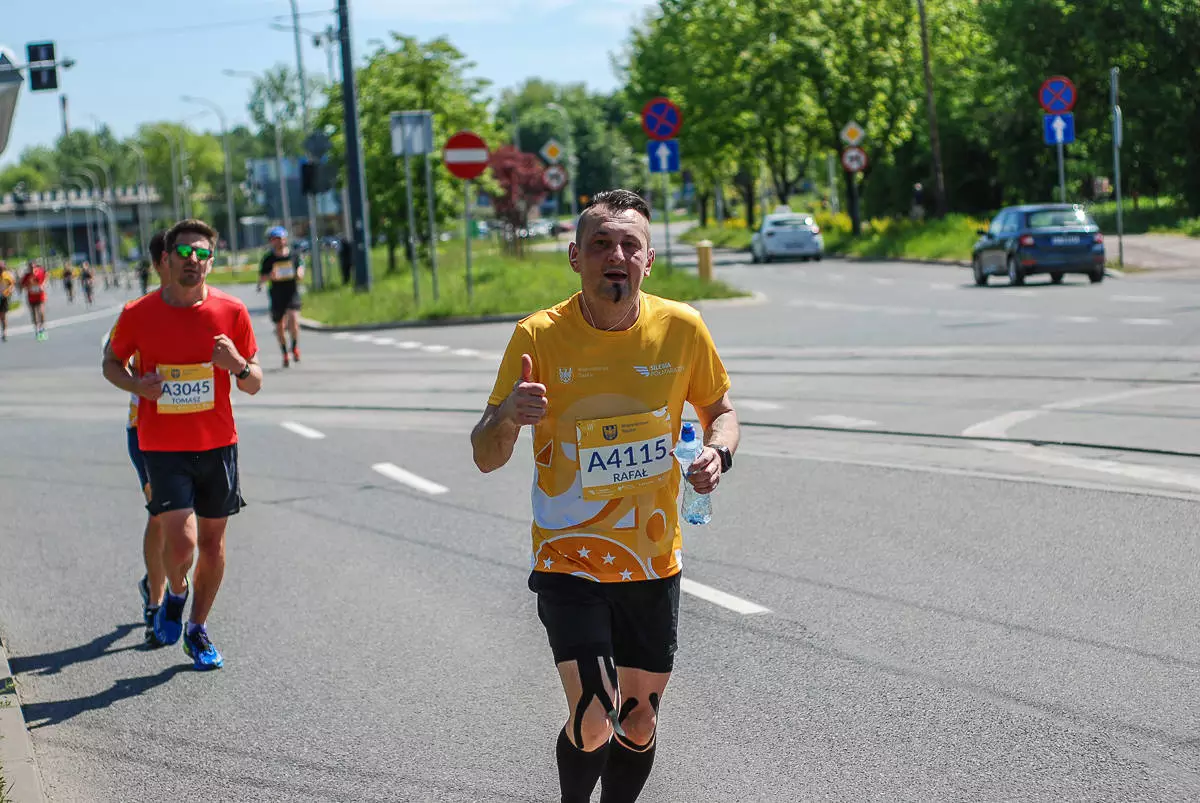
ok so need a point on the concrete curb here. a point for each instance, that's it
(18, 765)
(317, 326)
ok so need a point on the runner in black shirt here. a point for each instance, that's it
(285, 270)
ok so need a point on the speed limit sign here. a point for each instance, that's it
(854, 159)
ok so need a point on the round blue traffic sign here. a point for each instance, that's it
(661, 119)
(1057, 95)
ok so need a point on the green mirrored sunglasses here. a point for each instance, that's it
(186, 251)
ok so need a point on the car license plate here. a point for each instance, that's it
(1065, 239)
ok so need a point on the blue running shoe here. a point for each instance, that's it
(168, 622)
(200, 649)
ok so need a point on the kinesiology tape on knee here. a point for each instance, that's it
(627, 709)
(591, 681)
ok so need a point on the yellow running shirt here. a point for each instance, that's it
(605, 491)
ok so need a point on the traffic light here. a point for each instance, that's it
(42, 78)
(315, 177)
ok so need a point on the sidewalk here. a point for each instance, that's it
(1156, 251)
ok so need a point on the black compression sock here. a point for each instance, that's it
(578, 770)
(625, 773)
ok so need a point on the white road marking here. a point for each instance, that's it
(758, 404)
(716, 597)
(1146, 321)
(465, 353)
(1025, 293)
(408, 344)
(361, 338)
(394, 472)
(1078, 319)
(1139, 299)
(302, 431)
(341, 335)
(52, 323)
(383, 341)
(998, 428)
(435, 349)
(843, 421)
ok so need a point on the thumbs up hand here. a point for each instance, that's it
(527, 402)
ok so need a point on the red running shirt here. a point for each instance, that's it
(194, 413)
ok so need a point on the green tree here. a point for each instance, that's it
(411, 75)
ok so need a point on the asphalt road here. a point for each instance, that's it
(956, 608)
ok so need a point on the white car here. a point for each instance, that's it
(785, 235)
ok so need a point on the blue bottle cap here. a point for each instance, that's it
(689, 432)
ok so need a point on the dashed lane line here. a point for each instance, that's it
(717, 597)
(301, 430)
(394, 472)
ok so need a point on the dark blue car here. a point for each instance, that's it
(1043, 238)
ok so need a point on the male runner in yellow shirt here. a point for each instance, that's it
(8, 283)
(602, 378)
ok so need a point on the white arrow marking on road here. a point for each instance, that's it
(843, 421)
(735, 604)
(302, 431)
(394, 472)
(1059, 125)
(664, 156)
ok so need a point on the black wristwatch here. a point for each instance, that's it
(245, 372)
(726, 457)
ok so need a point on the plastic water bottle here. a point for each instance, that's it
(696, 508)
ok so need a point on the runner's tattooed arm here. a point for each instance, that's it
(493, 439)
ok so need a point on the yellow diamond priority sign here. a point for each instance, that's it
(853, 133)
(552, 151)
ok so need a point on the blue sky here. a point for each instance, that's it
(136, 57)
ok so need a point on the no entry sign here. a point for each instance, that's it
(466, 155)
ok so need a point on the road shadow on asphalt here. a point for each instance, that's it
(52, 663)
(55, 712)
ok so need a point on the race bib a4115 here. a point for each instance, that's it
(624, 455)
(186, 389)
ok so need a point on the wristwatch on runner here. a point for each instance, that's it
(245, 372)
(726, 458)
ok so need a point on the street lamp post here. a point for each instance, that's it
(114, 247)
(174, 171)
(87, 217)
(571, 160)
(314, 235)
(229, 211)
(286, 207)
(143, 193)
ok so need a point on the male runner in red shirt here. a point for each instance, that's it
(194, 342)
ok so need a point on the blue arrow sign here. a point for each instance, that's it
(1058, 128)
(664, 156)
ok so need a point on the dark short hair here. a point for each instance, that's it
(620, 201)
(158, 246)
(191, 226)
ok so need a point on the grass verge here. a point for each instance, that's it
(503, 285)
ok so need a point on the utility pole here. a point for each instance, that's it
(354, 164)
(935, 142)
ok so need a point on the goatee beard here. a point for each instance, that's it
(617, 290)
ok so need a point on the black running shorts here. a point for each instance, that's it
(282, 302)
(636, 623)
(206, 482)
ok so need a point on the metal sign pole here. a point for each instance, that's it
(433, 241)
(467, 217)
(1062, 179)
(1118, 136)
(412, 247)
(667, 216)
